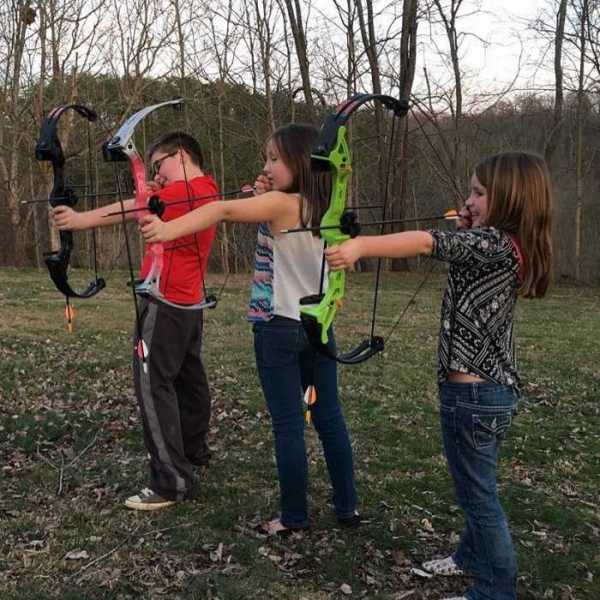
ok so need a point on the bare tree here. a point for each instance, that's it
(262, 17)
(224, 39)
(552, 140)
(408, 60)
(572, 26)
(337, 51)
(142, 33)
(582, 13)
(448, 15)
(369, 40)
(17, 19)
(294, 11)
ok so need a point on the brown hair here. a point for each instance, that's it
(295, 142)
(178, 140)
(519, 193)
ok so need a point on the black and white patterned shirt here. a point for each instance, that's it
(476, 330)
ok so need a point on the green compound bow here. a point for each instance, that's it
(332, 153)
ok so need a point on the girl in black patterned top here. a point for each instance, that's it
(502, 249)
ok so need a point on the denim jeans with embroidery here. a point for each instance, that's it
(475, 418)
(287, 364)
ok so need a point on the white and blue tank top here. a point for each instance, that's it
(287, 267)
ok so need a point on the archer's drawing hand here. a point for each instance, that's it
(65, 218)
(154, 230)
(262, 184)
(344, 255)
(154, 186)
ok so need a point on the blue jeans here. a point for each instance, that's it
(287, 364)
(474, 419)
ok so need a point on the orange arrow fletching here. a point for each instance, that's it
(69, 316)
(310, 395)
(310, 398)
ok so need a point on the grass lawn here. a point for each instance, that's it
(71, 451)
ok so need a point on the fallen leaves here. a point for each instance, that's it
(346, 589)
(548, 477)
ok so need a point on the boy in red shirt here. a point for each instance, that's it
(171, 387)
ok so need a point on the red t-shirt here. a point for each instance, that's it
(184, 259)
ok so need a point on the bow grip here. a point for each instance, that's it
(156, 206)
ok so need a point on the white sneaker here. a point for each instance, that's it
(147, 499)
(456, 598)
(443, 566)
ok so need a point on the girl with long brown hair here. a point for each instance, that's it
(502, 249)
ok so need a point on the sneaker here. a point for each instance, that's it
(355, 520)
(147, 499)
(443, 566)
(456, 598)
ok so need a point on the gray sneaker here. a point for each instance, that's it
(443, 566)
(148, 499)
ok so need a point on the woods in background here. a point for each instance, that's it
(245, 68)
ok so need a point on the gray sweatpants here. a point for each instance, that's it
(173, 395)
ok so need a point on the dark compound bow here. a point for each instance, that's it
(49, 148)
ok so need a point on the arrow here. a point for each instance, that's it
(450, 215)
(40, 200)
(159, 206)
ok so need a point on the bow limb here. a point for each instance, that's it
(151, 283)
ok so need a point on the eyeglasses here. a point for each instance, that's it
(156, 164)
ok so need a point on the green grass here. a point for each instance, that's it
(71, 450)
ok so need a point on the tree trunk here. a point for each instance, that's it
(224, 229)
(408, 59)
(295, 18)
(554, 135)
(579, 147)
(449, 21)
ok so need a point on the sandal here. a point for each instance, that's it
(275, 527)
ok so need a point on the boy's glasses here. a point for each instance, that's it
(156, 164)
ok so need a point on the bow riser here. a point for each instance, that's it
(141, 201)
(338, 162)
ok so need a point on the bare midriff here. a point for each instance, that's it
(458, 377)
